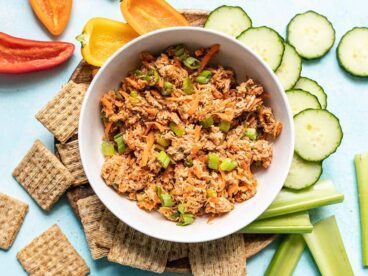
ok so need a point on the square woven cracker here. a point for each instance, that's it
(12, 213)
(43, 176)
(178, 251)
(51, 253)
(91, 210)
(225, 257)
(76, 193)
(61, 115)
(106, 230)
(69, 155)
(135, 249)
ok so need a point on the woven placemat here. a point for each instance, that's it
(84, 73)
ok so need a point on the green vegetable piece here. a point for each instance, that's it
(224, 126)
(286, 224)
(287, 256)
(178, 130)
(152, 77)
(207, 122)
(204, 77)
(211, 193)
(138, 73)
(188, 86)
(163, 142)
(163, 159)
(188, 162)
(120, 143)
(179, 50)
(167, 89)
(361, 168)
(185, 219)
(228, 165)
(166, 200)
(251, 133)
(103, 117)
(292, 201)
(192, 63)
(181, 208)
(107, 148)
(326, 245)
(213, 161)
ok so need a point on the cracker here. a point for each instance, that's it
(256, 242)
(196, 18)
(12, 213)
(43, 176)
(224, 257)
(135, 249)
(69, 155)
(106, 230)
(90, 211)
(76, 194)
(51, 253)
(61, 115)
(178, 251)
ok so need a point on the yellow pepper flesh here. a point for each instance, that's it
(101, 37)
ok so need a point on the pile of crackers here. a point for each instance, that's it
(46, 177)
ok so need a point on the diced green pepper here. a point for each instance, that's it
(213, 161)
(251, 133)
(204, 77)
(181, 208)
(107, 149)
(178, 130)
(166, 200)
(167, 89)
(188, 86)
(120, 143)
(163, 142)
(207, 122)
(163, 159)
(224, 126)
(185, 219)
(192, 63)
(228, 165)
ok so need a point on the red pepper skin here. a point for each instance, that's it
(18, 55)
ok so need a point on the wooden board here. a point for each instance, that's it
(84, 74)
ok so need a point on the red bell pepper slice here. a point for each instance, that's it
(18, 55)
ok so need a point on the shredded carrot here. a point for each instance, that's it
(151, 111)
(197, 132)
(149, 125)
(108, 128)
(210, 54)
(194, 105)
(147, 149)
(195, 149)
(233, 189)
(125, 95)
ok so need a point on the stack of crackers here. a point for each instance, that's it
(46, 177)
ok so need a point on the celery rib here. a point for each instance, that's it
(291, 201)
(361, 168)
(287, 256)
(327, 248)
(292, 223)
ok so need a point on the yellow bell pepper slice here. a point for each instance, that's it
(101, 37)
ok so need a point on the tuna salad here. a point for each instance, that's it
(182, 137)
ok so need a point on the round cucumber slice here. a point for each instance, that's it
(231, 20)
(265, 42)
(314, 88)
(311, 34)
(317, 134)
(290, 67)
(352, 52)
(300, 100)
(302, 174)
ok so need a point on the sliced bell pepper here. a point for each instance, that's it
(18, 55)
(101, 37)
(53, 14)
(146, 16)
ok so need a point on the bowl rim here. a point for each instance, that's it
(223, 36)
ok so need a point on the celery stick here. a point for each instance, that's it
(287, 256)
(291, 223)
(328, 249)
(291, 201)
(361, 167)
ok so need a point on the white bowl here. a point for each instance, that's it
(245, 63)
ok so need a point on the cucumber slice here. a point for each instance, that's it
(311, 34)
(314, 88)
(302, 173)
(290, 68)
(300, 100)
(229, 20)
(265, 42)
(317, 134)
(352, 52)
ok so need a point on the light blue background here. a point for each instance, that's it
(22, 96)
